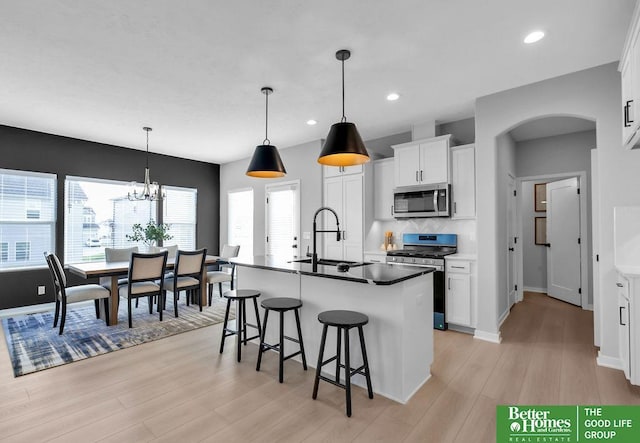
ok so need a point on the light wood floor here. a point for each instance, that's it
(181, 389)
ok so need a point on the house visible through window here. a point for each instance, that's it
(23, 250)
(27, 218)
(98, 214)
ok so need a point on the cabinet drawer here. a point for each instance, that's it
(458, 267)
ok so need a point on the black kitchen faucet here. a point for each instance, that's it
(314, 256)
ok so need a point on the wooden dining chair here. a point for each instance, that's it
(226, 270)
(187, 276)
(65, 295)
(146, 277)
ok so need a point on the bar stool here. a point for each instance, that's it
(240, 295)
(281, 305)
(344, 321)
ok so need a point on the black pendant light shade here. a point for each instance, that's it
(343, 146)
(266, 161)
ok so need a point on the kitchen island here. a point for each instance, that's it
(398, 301)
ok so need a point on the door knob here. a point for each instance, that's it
(511, 249)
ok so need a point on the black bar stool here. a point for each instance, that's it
(240, 295)
(281, 305)
(344, 321)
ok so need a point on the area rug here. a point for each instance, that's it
(34, 344)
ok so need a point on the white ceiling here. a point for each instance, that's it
(100, 70)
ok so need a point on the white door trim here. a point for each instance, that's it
(584, 266)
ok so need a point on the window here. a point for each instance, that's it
(98, 214)
(23, 249)
(22, 194)
(179, 212)
(240, 221)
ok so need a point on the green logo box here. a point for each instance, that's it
(546, 424)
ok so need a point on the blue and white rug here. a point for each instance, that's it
(34, 344)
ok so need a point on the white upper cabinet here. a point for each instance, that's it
(383, 184)
(630, 76)
(422, 162)
(463, 182)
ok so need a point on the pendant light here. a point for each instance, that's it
(149, 190)
(266, 162)
(343, 146)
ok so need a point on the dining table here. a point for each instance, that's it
(112, 271)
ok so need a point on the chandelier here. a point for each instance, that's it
(148, 190)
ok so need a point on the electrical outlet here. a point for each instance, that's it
(41, 290)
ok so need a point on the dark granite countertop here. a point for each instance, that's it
(373, 273)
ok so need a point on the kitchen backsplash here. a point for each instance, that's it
(465, 229)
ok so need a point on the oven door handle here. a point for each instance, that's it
(438, 268)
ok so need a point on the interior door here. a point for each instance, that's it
(563, 240)
(282, 219)
(511, 239)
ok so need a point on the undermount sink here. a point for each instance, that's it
(330, 262)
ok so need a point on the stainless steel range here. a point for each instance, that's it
(428, 250)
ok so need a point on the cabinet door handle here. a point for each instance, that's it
(455, 207)
(620, 316)
(629, 102)
(421, 175)
(344, 235)
(392, 210)
(458, 267)
(449, 283)
(416, 175)
(619, 284)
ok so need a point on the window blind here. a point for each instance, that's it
(180, 212)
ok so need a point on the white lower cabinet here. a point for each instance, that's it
(460, 292)
(623, 325)
(628, 324)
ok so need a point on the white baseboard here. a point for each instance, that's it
(532, 289)
(503, 317)
(588, 307)
(493, 337)
(609, 362)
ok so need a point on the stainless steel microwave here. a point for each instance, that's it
(422, 201)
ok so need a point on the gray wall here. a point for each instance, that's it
(463, 131)
(301, 164)
(40, 152)
(550, 155)
(534, 257)
(381, 147)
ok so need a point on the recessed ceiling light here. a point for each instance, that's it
(311, 122)
(534, 37)
(393, 96)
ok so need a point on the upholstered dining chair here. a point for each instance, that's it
(73, 294)
(114, 255)
(146, 276)
(226, 271)
(187, 274)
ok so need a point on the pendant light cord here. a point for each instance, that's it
(147, 148)
(343, 119)
(266, 119)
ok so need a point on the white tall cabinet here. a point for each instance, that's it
(344, 192)
(463, 182)
(383, 184)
